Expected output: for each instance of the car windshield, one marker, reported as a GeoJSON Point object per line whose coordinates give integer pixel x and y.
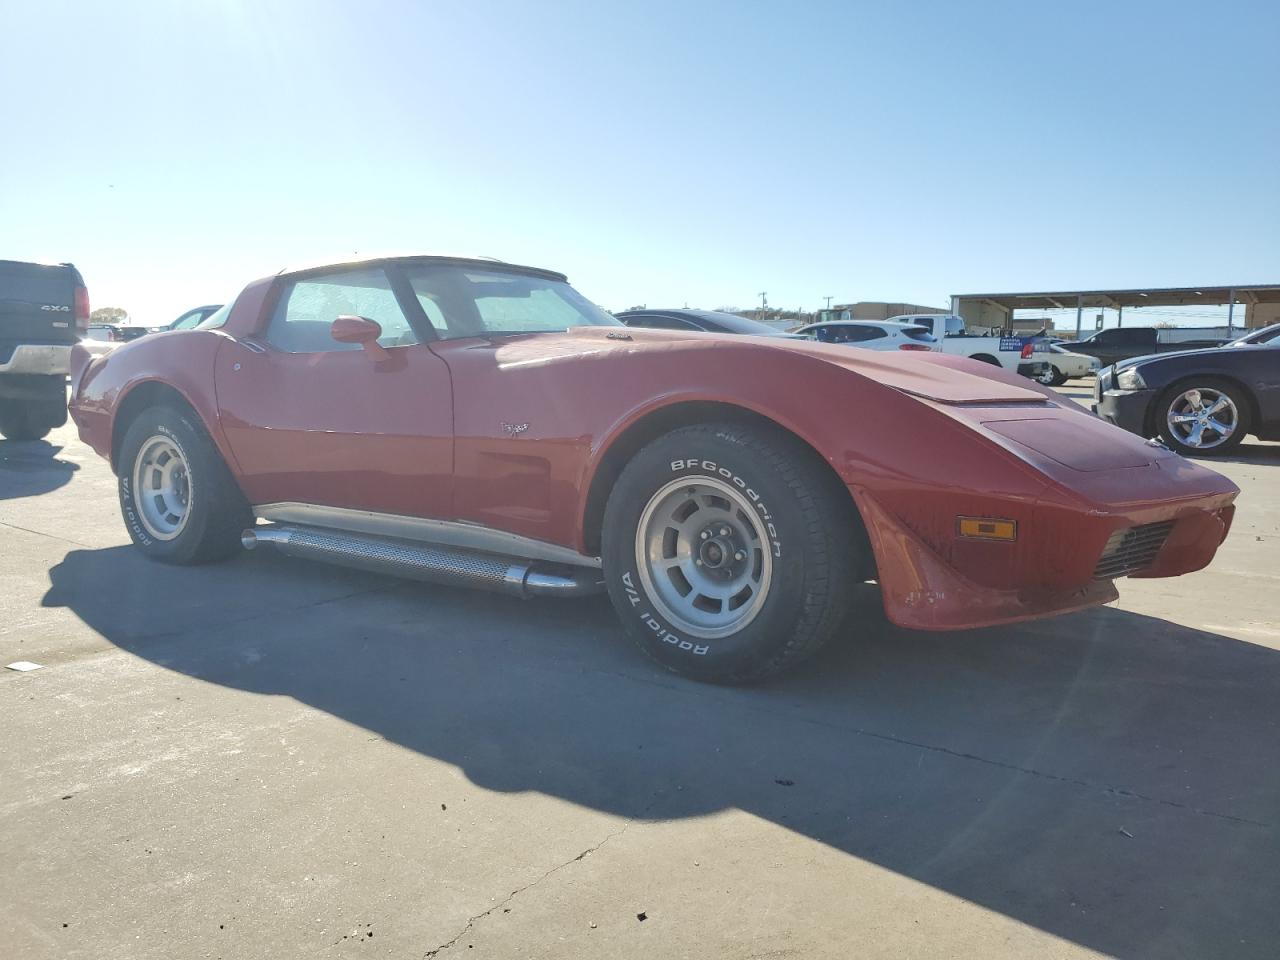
{"type": "Point", "coordinates": [217, 318]}
{"type": "Point", "coordinates": [478, 302]}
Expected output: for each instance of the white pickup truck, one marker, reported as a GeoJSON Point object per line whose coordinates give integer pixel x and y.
{"type": "Point", "coordinates": [1013, 353]}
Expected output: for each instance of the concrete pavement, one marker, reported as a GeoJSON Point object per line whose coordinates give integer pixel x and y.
{"type": "Point", "coordinates": [267, 758]}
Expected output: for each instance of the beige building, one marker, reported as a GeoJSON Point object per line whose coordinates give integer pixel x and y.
{"type": "Point", "coordinates": [873, 310]}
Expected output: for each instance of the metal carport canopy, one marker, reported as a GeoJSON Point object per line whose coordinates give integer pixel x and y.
{"type": "Point", "coordinates": [1247, 293]}
{"type": "Point", "coordinates": [1142, 297]}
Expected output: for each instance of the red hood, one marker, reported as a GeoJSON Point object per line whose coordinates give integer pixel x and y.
{"type": "Point", "coordinates": [933, 376]}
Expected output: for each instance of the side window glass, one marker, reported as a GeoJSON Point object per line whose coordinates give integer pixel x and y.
{"type": "Point", "coordinates": [535, 310]}
{"type": "Point", "coordinates": [189, 320]}
{"type": "Point", "coordinates": [306, 311]}
{"type": "Point", "coordinates": [431, 309]}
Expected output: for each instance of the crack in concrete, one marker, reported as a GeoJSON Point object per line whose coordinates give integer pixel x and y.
{"type": "Point", "coordinates": [471, 922]}
{"type": "Point", "coordinates": [41, 533]}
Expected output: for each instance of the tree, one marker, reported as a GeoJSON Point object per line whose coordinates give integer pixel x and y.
{"type": "Point", "coordinates": [108, 315]}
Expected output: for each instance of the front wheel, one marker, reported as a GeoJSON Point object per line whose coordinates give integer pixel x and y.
{"type": "Point", "coordinates": [1206, 417]}
{"type": "Point", "coordinates": [179, 500]}
{"type": "Point", "coordinates": [730, 552]}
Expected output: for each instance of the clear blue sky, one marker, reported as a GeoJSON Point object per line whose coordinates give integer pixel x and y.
{"type": "Point", "coordinates": [657, 152]}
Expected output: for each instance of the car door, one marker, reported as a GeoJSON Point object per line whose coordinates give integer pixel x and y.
{"type": "Point", "coordinates": [310, 420]}
{"type": "Point", "coordinates": [1259, 369]}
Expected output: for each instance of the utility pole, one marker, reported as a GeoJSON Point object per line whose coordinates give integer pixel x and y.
{"type": "Point", "coordinates": [764, 303]}
{"type": "Point", "coordinates": [828, 299]}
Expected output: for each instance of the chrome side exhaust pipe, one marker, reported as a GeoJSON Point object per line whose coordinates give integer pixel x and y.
{"type": "Point", "coordinates": [421, 561]}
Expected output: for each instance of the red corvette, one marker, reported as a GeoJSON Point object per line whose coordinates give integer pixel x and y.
{"type": "Point", "coordinates": [476, 422]}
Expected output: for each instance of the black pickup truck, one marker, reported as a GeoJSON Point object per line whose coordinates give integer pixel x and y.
{"type": "Point", "coordinates": [44, 309]}
{"type": "Point", "coordinates": [1125, 343]}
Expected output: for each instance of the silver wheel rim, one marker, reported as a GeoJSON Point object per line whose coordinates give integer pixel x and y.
{"type": "Point", "coordinates": [1203, 418]}
{"type": "Point", "coordinates": [704, 557]}
{"type": "Point", "coordinates": [161, 487]}
{"type": "Point", "coordinates": [1048, 375]}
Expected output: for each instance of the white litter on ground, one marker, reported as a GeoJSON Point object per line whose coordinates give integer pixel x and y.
{"type": "Point", "coordinates": [22, 666]}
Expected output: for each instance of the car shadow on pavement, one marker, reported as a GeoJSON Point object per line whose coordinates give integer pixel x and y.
{"type": "Point", "coordinates": [29, 468]}
{"type": "Point", "coordinates": [1107, 777]}
{"type": "Point", "coordinates": [1251, 452]}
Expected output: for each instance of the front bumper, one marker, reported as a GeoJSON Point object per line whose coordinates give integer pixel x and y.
{"type": "Point", "coordinates": [1126, 409]}
{"type": "Point", "coordinates": [1066, 558]}
{"type": "Point", "coordinates": [39, 359]}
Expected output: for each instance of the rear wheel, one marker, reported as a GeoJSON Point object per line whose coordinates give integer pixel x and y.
{"type": "Point", "coordinates": [1204, 417]}
{"type": "Point", "coordinates": [40, 406]}
{"type": "Point", "coordinates": [179, 500]}
{"type": "Point", "coordinates": [1051, 376]}
{"type": "Point", "coordinates": [21, 421]}
{"type": "Point", "coordinates": [729, 552]}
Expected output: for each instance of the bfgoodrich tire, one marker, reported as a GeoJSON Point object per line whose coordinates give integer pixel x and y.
{"type": "Point", "coordinates": [179, 501]}
{"type": "Point", "coordinates": [730, 552]}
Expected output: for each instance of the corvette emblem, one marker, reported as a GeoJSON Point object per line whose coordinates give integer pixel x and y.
{"type": "Point", "coordinates": [514, 429]}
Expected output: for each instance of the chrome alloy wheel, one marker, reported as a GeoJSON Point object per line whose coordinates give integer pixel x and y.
{"type": "Point", "coordinates": [161, 487]}
{"type": "Point", "coordinates": [1048, 375]}
{"type": "Point", "coordinates": [704, 557]}
{"type": "Point", "coordinates": [1203, 418]}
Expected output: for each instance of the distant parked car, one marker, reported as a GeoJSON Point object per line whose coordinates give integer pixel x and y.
{"type": "Point", "coordinates": [1063, 365]}
{"type": "Point", "coordinates": [1012, 352]}
{"type": "Point", "coordinates": [130, 331]}
{"type": "Point", "coordinates": [103, 332]}
{"type": "Point", "coordinates": [1199, 401]}
{"type": "Point", "coordinates": [709, 321]}
{"type": "Point", "coordinates": [871, 335]}
{"type": "Point", "coordinates": [193, 318]}
{"type": "Point", "coordinates": [1125, 343]}
{"type": "Point", "coordinates": [1256, 338]}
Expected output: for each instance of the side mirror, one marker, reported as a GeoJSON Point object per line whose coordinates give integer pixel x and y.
{"type": "Point", "coordinates": [361, 330]}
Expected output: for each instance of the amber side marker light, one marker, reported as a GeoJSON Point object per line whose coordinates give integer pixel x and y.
{"type": "Point", "coordinates": [984, 528]}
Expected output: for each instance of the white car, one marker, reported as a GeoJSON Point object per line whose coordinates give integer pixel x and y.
{"type": "Point", "coordinates": [1063, 365]}
{"type": "Point", "coordinates": [871, 334]}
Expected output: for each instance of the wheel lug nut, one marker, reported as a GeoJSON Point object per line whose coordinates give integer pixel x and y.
{"type": "Point", "coordinates": [724, 531]}
{"type": "Point", "coordinates": [705, 534]}
{"type": "Point", "coordinates": [740, 555]}
{"type": "Point", "coordinates": [697, 563]}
